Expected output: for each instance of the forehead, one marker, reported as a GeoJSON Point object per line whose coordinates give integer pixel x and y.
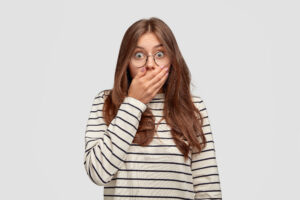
{"type": "Point", "coordinates": [144, 47]}
{"type": "Point", "coordinates": [148, 41]}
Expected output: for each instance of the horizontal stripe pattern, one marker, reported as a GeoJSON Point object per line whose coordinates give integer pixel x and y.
{"type": "Point", "coordinates": [204, 166]}
{"type": "Point", "coordinates": [106, 146]}
{"type": "Point", "coordinates": [157, 171]}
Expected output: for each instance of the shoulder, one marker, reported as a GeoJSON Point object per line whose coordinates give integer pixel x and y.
{"type": "Point", "coordinates": [197, 100]}
{"type": "Point", "coordinates": [102, 94]}
{"type": "Point", "coordinates": [199, 103]}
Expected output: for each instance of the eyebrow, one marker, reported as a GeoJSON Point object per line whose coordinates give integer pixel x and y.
{"type": "Point", "coordinates": [159, 45]}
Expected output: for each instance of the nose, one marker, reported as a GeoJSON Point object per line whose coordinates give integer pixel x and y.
{"type": "Point", "coordinates": [150, 63]}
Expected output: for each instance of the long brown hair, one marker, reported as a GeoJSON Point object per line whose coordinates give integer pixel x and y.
{"type": "Point", "coordinates": [178, 103]}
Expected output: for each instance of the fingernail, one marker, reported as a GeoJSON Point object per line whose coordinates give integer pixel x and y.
{"type": "Point", "coordinates": [161, 66]}
{"type": "Point", "coordinates": [143, 69]}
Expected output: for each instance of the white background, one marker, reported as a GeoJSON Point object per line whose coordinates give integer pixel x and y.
{"type": "Point", "coordinates": [55, 56]}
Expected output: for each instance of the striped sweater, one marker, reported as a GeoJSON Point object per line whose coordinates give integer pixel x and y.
{"type": "Point", "coordinates": [157, 171]}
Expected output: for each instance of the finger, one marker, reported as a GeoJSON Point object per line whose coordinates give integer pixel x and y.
{"type": "Point", "coordinates": [159, 80]}
{"type": "Point", "coordinates": [160, 83]}
{"type": "Point", "coordinates": [158, 76]}
{"type": "Point", "coordinates": [151, 74]}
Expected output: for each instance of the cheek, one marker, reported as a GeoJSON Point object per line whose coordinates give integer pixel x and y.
{"type": "Point", "coordinates": [133, 71]}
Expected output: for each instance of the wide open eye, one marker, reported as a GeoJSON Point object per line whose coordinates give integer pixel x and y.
{"type": "Point", "coordinates": [139, 55]}
{"type": "Point", "coordinates": [160, 54]}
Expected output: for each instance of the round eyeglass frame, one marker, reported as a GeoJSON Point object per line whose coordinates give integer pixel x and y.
{"type": "Point", "coordinates": [147, 60]}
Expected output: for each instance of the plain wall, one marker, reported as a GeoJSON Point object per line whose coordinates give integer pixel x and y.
{"type": "Point", "coordinates": [55, 56]}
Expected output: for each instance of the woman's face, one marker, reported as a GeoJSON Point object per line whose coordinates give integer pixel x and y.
{"type": "Point", "coordinates": [149, 44]}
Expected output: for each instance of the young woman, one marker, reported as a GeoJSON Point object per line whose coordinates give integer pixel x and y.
{"type": "Point", "coordinates": [148, 137]}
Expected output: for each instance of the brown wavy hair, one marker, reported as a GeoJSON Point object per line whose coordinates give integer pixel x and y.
{"type": "Point", "coordinates": [178, 104]}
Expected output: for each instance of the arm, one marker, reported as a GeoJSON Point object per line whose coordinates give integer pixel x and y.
{"type": "Point", "coordinates": [106, 146]}
{"type": "Point", "coordinates": [204, 165]}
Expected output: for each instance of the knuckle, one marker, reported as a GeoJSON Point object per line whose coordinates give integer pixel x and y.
{"type": "Point", "coordinates": [148, 92]}
{"type": "Point", "coordinates": [143, 86]}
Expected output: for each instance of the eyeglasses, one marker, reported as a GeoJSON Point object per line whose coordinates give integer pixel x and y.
{"type": "Point", "coordinates": [139, 59]}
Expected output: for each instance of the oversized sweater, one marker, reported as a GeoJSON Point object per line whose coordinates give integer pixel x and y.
{"type": "Point", "coordinates": [157, 171]}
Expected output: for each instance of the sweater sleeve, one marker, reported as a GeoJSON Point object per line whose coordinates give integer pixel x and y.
{"type": "Point", "coordinates": [204, 166]}
{"type": "Point", "coordinates": [106, 146]}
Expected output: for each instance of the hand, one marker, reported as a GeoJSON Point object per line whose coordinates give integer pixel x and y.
{"type": "Point", "coordinates": [145, 86]}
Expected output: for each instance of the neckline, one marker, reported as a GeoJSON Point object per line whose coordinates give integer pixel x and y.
{"type": "Point", "coordinates": [159, 95]}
